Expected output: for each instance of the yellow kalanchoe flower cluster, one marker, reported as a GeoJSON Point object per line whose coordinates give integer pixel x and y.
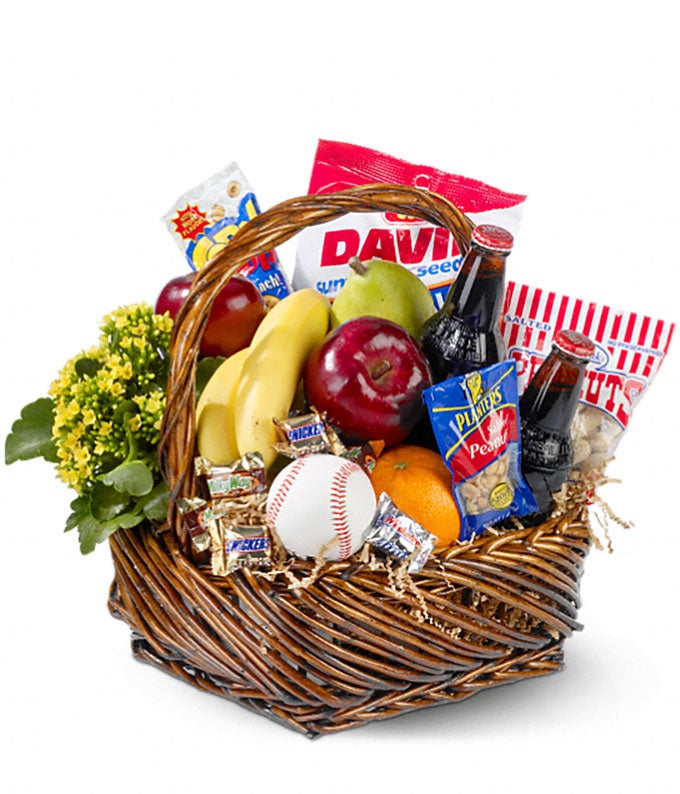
{"type": "Point", "coordinates": [112, 396]}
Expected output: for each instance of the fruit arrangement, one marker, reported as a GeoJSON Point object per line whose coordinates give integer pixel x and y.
{"type": "Point", "coordinates": [342, 390]}
{"type": "Point", "coordinates": [324, 392]}
{"type": "Point", "coordinates": [326, 403]}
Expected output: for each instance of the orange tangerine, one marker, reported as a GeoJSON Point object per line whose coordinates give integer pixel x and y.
{"type": "Point", "coordinates": [420, 484]}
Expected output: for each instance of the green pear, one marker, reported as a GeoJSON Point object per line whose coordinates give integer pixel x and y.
{"type": "Point", "coordinates": [383, 289]}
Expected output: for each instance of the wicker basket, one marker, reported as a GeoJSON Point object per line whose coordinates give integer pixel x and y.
{"type": "Point", "coordinates": [326, 650]}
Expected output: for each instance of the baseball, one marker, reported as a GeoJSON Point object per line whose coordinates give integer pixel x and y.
{"type": "Point", "coordinates": [320, 505]}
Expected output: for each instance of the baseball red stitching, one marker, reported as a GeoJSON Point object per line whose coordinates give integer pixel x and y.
{"type": "Point", "coordinates": [339, 508]}
{"type": "Point", "coordinates": [283, 489]}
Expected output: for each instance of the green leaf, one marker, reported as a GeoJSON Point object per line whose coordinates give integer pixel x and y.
{"type": "Point", "coordinates": [89, 513]}
{"type": "Point", "coordinates": [106, 502]}
{"type": "Point", "coordinates": [87, 366]}
{"type": "Point", "coordinates": [155, 504]}
{"type": "Point", "coordinates": [31, 435]}
{"type": "Point", "coordinates": [126, 407]}
{"type": "Point", "coordinates": [80, 509]}
{"type": "Point", "coordinates": [91, 531]}
{"type": "Point", "coordinates": [134, 478]}
{"type": "Point", "coordinates": [204, 371]}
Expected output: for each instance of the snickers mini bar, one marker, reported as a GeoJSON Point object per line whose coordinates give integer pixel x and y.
{"type": "Point", "coordinates": [399, 536]}
{"type": "Point", "coordinates": [305, 434]}
{"type": "Point", "coordinates": [235, 546]}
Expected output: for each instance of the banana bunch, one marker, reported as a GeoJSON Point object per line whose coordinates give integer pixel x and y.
{"type": "Point", "coordinates": [258, 384]}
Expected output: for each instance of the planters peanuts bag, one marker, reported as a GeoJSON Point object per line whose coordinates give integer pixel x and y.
{"type": "Point", "coordinates": [475, 419]}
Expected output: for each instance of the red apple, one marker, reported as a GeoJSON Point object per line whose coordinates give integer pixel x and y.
{"type": "Point", "coordinates": [235, 314]}
{"type": "Point", "coordinates": [368, 375]}
{"type": "Point", "coordinates": [174, 294]}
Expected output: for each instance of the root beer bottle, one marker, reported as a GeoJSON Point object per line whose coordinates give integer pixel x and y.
{"type": "Point", "coordinates": [464, 334]}
{"type": "Point", "coordinates": [546, 410]}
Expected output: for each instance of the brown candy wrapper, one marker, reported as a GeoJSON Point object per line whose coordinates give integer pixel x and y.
{"type": "Point", "coordinates": [305, 434]}
{"type": "Point", "coordinates": [244, 477]}
{"type": "Point", "coordinates": [399, 536]}
{"type": "Point", "coordinates": [196, 515]}
{"type": "Point", "coordinates": [365, 455]}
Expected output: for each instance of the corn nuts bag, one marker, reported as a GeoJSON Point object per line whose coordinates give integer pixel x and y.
{"type": "Point", "coordinates": [475, 418]}
{"type": "Point", "coordinates": [206, 217]}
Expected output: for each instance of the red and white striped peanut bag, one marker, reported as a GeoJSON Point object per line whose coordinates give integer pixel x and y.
{"type": "Point", "coordinates": [630, 348]}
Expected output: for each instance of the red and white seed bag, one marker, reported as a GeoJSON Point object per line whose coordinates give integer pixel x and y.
{"type": "Point", "coordinates": [630, 348]}
{"type": "Point", "coordinates": [427, 250]}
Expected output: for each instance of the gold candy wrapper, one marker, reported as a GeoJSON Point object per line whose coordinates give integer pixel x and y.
{"type": "Point", "coordinates": [197, 517]}
{"type": "Point", "coordinates": [305, 434]}
{"type": "Point", "coordinates": [237, 546]}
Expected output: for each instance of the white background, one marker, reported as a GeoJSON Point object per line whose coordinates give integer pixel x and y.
{"type": "Point", "coordinates": [109, 114]}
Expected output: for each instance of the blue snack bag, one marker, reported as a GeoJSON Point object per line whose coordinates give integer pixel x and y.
{"type": "Point", "coordinates": [475, 419]}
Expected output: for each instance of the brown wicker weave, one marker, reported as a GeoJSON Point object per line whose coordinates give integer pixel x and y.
{"type": "Point", "coordinates": [325, 650]}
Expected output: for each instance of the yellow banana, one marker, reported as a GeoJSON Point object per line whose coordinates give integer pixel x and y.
{"type": "Point", "coordinates": [283, 312]}
{"type": "Point", "coordinates": [215, 424]}
{"type": "Point", "coordinates": [272, 370]}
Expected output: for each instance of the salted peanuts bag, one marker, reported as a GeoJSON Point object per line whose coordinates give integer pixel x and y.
{"type": "Point", "coordinates": [630, 348]}
{"type": "Point", "coordinates": [427, 250]}
{"type": "Point", "coordinates": [475, 419]}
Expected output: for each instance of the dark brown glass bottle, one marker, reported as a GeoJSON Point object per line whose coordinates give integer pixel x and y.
{"type": "Point", "coordinates": [547, 410]}
{"type": "Point", "coordinates": [464, 334]}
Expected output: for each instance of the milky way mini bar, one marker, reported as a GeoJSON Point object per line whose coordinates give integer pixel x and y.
{"type": "Point", "coordinates": [244, 477]}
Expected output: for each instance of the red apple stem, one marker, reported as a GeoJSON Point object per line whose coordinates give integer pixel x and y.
{"type": "Point", "coordinates": [359, 267]}
{"type": "Point", "coordinates": [380, 369]}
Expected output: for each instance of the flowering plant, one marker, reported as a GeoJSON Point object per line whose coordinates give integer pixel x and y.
{"type": "Point", "coordinates": [101, 425]}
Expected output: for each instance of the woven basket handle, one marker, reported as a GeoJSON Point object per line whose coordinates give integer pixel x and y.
{"type": "Point", "coordinates": [264, 233]}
